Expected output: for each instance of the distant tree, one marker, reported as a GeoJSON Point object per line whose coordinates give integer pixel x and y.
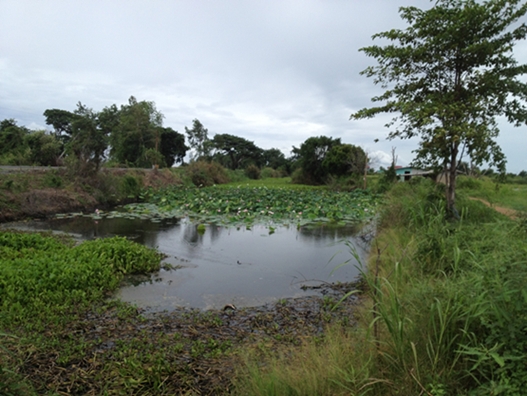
{"type": "Point", "coordinates": [345, 159]}
{"type": "Point", "coordinates": [12, 137]}
{"type": "Point", "coordinates": [108, 119]}
{"type": "Point", "coordinates": [61, 121]}
{"type": "Point", "coordinates": [88, 142]}
{"type": "Point", "coordinates": [453, 72]}
{"type": "Point", "coordinates": [45, 149]}
{"type": "Point", "coordinates": [236, 150]}
{"type": "Point", "coordinates": [135, 133]}
{"type": "Point", "coordinates": [172, 147]}
{"type": "Point", "coordinates": [273, 158]}
{"type": "Point", "coordinates": [522, 173]}
{"type": "Point", "coordinates": [311, 155]}
{"type": "Point", "coordinates": [198, 140]}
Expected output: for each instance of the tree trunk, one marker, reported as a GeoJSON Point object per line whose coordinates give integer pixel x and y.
{"type": "Point", "coordinates": [450, 174]}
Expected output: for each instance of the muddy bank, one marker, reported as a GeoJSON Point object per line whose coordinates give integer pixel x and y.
{"type": "Point", "coordinates": [185, 351]}
{"type": "Point", "coordinates": [41, 193]}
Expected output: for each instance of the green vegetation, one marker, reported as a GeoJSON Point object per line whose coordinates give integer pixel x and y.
{"type": "Point", "coordinates": [448, 77]}
{"type": "Point", "coordinates": [444, 311]}
{"type": "Point", "coordinates": [46, 284]}
{"type": "Point", "coordinates": [506, 195]}
{"type": "Point", "coordinates": [246, 205]}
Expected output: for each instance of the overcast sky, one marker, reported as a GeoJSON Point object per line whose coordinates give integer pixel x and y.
{"type": "Point", "coordinates": [275, 72]}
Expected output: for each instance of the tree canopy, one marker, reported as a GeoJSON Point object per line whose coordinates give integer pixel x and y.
{"type": "Point", "coordinates": [235, 150]}
{"type": "Point", "coordinates": [311, 155]}
{"type": "Point", "coordinates": [198, 140]}
{"type": "Point", "coordinates": [451, 73]}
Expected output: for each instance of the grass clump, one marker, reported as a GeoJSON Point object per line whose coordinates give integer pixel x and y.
{"type": "Point", "coordinates": [444, 313]}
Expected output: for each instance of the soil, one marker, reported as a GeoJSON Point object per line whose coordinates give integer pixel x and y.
{"type": "Point", "coordinates": [511, 213]}
{"type": "Point", "coordinates": [201, 366]}
{"type": "Point", "coordinates": [25, 194]}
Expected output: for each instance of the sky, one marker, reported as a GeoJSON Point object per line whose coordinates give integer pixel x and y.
{"type": "Point", "coordinates": [274, 72]}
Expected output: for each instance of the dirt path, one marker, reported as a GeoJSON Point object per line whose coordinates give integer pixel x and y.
{"type": "Point", "coordinates": [511, 213]}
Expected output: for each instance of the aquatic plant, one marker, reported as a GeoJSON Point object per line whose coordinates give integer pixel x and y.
{"type": "Point", "coordinates": [247, 205]}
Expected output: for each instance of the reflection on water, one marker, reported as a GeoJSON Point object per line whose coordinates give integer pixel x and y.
{"type": "Point", "coordinates": [243, 266]}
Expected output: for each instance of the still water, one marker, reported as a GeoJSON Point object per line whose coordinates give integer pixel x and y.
{"type": "Point", "coordinates": [224, 265]}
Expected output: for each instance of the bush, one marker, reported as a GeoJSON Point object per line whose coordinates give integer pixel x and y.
{"type": "Point", "coordinates": [267, 173]}
{"type": "Point", "coordinates": [130, 186]}
{"type": "Point", "coordinates": [470, 183]}
{"type": "Point", "coordinates": [252, 172]}
{"type": "Point", "coordinates": [204, 174]}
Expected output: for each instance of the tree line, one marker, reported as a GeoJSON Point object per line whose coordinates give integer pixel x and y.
{"type": "Point", "coordinates": [133, 135]}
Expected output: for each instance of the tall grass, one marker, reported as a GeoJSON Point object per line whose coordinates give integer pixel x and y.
{"type": "Point", "coordinates": [445, 310]}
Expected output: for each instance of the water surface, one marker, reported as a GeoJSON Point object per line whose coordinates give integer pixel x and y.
{"type": "Point", "coordinates": [224, 265]}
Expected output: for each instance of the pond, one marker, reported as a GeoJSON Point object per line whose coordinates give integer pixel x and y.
{"type": "Point", "coordinates": [244, 266]}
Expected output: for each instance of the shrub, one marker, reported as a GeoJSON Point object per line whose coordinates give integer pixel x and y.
{"type": "Point", "coordinates": [267, 173]}
{"type": "Point", "coordinates": [252, 172]}
{"type": "Point", "coordinates": [470, 183]}
{"type": "Point", "coordinates": [203, 174]}
{"type": "Point", "coordinates": [130, 186]}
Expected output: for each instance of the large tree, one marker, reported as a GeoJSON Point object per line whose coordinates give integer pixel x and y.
{"type": "Point", "coordinates": [345, 160]}
{"type": "Point", "coordinates": [172, 146]}
{"type": "Point", "coordinates": [88, 141]}
{"type": "Point", "coordinates": [61, 121]}
{"type": "Point", "coordinates": [198, 139]}
{"type": "Point", "coordinates": [448, 76]}
{"type": "Point", "coordinates": [136, 132]}
{"type": "Point", "coordinates": [12, 137]}
{"type": "Point", "coordinates": [236, 151]}
{"type": "Point", "coordinates": [311, 156]}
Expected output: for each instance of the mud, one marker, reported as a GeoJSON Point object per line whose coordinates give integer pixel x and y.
{"type": "Point", "coordinates": [199, 347]}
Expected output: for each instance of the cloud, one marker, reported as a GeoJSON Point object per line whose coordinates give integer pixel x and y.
{"type": "Point", "coordinates": [273, 72]}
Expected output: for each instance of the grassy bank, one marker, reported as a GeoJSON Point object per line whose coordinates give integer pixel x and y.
{"type": "Point", "coordinates": [444, 312]}
{"type": "Point", "coordinates": [40, 193]}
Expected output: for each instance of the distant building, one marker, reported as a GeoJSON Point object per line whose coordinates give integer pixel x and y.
{"type": "Point", "coordinates": [406, 173]}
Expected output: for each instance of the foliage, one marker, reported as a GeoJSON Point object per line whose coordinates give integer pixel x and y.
{"type": "Point", "coordinates": [504, 195]}
{"type": "Point", "coordinates": [12, 137]}
{"type": "Point", "coordinates": [61, 121]}
{"type": "Point", "coordinates": [322, 159]}
{"type": "Point", "coordinates": [45, 149]}
{"type": "Point", "coordinates": [453, 72]}
{"type": "Point", "coordinates": [198, 139]}
{"type": "Point", "coordinates": [88, 142]}
{"type": "Point", "coordinates": [253, 172]}
{"type": "Point", "coordinates": [274, 158]}
{"type": "Point", "coordinates": [388, 178]}
{"type": "Point", "coordinates": [234, 151]}
{"type": "Point", "coordinates": [270, 172]}
{"type": "Point", "coordinates": [310, 158]}
{"type": "Point", "coordinates": [245, 205]}
{"type": "Point", "coordinates": [41, 276]}
{"type": "Point", "coordinates": [203, 174]}
{"type": "Point", "coordinates": [136, 132]}
{"type": "Point", "coordinates": [172, 146]}
{"type": "Point", "coordinates": [345, 160]}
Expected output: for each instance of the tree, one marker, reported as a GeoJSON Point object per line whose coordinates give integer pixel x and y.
{"type": "Point", "coordinates": [311, 155]}
{"type": "Point", "coordinates": [273, 158]}
{"type": "Point", "coordinates": [88, 142]}
{"type": "Point", "coordinates": [236, 150]}
{"type": "Point", "coordinates": [172, 147]}
{"type": "Point", "coordinates": [453, 73]}
{"type": "Point", "coordinates": [61, 121]}
{"type": "Point", "coordinates": [12, 137]}
{"type": "Point", "coordinates": [136, 132]}
{"type": "Point", "coordinates": [198, 140]}
{"type": "Point", "coordinates": [345, 159]}
{"type": "Point", "coordinates": [45, 148]}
